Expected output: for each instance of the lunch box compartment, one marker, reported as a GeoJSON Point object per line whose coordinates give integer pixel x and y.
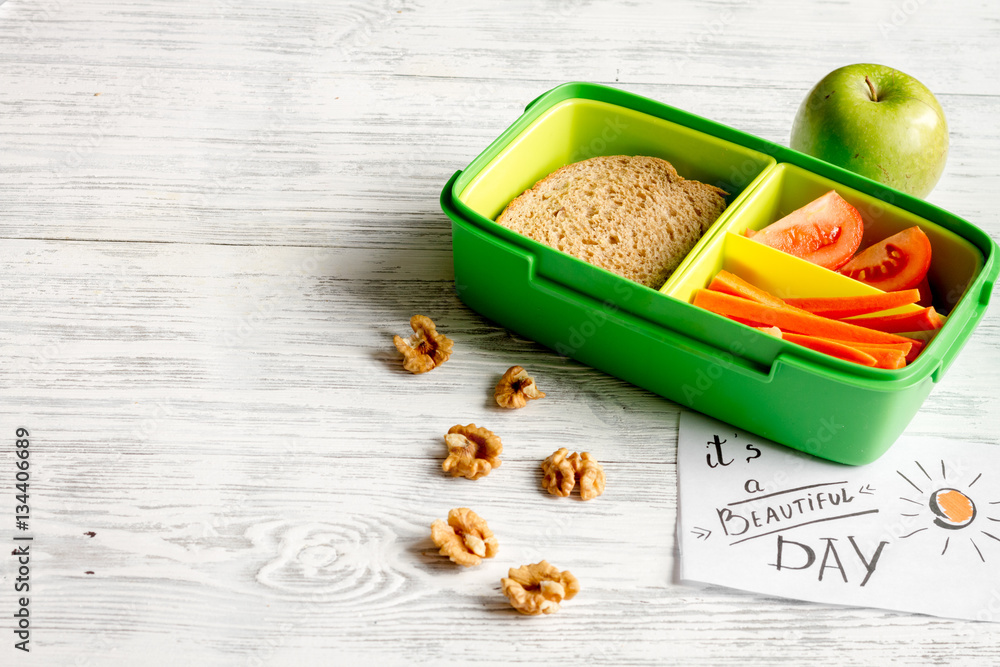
{"type": "Point", "coordinates": [955, 261]}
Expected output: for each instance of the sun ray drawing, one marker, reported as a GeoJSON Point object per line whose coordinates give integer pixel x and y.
{"type": "Point", "coordinates": [948, 505]}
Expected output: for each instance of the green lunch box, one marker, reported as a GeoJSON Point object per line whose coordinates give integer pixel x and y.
{"type": "Point", "coordinates": [656, 339]}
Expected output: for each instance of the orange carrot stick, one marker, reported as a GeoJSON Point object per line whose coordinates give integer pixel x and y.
{"type": "Point", "coordinates": [832, 347]}
{"type": "Point", "coordinates": [909, 350]}
{"type": "Point", "coordinates": [839, 307]}
{"type": "Point", "coordinates": [885, 357]}
{"type": "Point", "coordinates": [895, 347]}
{"type": "Point", "coordinates": [926, 319]}
{"type": "Point", "coordinates": [787, 318]}
{"type": "Point", "coordinates": [730, 283]}
{"type": "Point", "coordinates": [914, 352]}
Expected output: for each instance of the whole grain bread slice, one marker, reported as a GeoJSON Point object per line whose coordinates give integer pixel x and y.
{"type": "Point", "coordinates": [632, 215]}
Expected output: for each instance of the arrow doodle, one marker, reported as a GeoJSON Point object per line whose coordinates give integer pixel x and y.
{"type": "Point", "coordinates": [701, 533]}
{"type": "Point", "coordinates": [867, 490]}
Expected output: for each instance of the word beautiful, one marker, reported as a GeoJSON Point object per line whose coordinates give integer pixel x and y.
{"type": "Point", "coordinates": [801, 504]}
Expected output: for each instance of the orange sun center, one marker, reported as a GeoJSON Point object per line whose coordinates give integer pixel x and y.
{"type": "Point", "coordinates": [956, 506]}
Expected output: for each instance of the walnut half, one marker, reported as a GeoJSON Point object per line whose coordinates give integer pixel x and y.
{"type": "Point", "coordinates": [561, 471]}
{"type": "Point", "coordinates": [538, 588]}
{"type": "Point", "coordinates": [590, 475]}
{"type": "Point", "coordinates": [426, 349]}
{"type": "Point", "coordinates": [560, 476]}
{"type": "Point", "coordinates": [465, 538]}
{"type": "Point", "coordinates": [516, 388]}
{"type": "Point", "coordinates": [473, 452]}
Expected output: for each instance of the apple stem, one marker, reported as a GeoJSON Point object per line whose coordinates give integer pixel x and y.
{"type": "Point", "coordinates": [871, 87]}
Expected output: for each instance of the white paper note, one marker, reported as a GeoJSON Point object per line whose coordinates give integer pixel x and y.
{"type": "Point", "coordinates": [918, 530]}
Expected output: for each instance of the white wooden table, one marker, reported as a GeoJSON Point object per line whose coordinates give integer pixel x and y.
{"type": "Point", "coordinates": [215, 215]}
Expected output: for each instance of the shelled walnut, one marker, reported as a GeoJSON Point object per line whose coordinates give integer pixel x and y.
{"type": "Point", "coordinates": [516, 388]}
{"type": "Point", "coordinates": [473, 452]}
{"type": "Point", "coordinates": [562, 470]}
{"type": "Point", "coordinates": [560, 476]}
{"type": "Point", "coordinates": [426, 349]}
{"type": "Point", "coordinates": [465, 538]}
{"type": "Point", "coordinates": [538, 588]}
{"type": "Point", "coordinates": [590, 475]}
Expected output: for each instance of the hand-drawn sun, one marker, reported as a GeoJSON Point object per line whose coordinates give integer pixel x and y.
{"type": "Point", "coordinates": [950, 508]}
{"type": "Point", "coordinates": [953, 508]}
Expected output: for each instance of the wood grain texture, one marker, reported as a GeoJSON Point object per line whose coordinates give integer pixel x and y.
{"type": "Point", "coordinates": [214, 217]}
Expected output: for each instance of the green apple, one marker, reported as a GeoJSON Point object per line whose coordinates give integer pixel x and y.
{"type": "Point", "coordinates": [877, 122]}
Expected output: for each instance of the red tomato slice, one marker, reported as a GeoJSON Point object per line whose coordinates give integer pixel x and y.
{"type": "Point", "coordinates": [898, 262]}
{"type": "Point", "coordinates": [826, 231]}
